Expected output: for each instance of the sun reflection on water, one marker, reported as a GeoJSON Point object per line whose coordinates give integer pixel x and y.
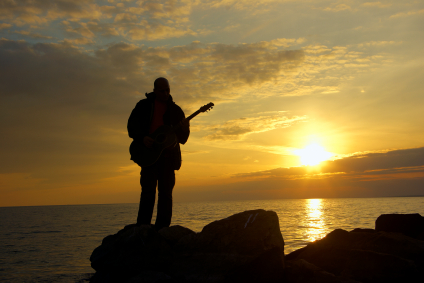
{"type": "Point", "coordinates": [316, 225]}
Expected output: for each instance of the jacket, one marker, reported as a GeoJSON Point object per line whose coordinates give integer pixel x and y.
{"type": "Point", "coordinates": [141, 118]}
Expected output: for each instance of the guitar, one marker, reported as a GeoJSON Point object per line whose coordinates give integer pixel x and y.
{"type": "Point", "coordinates": [163, 137]}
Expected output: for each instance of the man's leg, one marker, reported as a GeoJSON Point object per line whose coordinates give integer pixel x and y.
{"type": "Point", "coordinates": [148, 181]}
{"type": "Point", "coordinates": [166, 182]}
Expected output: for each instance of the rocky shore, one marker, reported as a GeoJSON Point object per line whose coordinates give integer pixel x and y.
{"type": "Point", "coordinates": [248, 247]}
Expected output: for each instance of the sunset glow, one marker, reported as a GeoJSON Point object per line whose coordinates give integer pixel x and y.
{"type": "Point", "coordinates": [312, 154]}
{"type": "Point", "coordinates": [327, 78]}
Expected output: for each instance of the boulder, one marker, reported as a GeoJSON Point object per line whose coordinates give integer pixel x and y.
{"type": "Point", "coordinates": [130, 251]}
{"type": "Point", "coordinates": [247, 233]}
{"type": "Point", "coordinates": [225, 245]}
{"type": "Point", "coordinates": [174, 233]}
{"type": "Point", "coordinates": [247, 245]}
{"type": "Point", "coordinates": [301, 271]}
{"type": "Point", "coordinates": [370, 266]}
{"type": "Point", "coordinates": [411, 225]}
{"type": "Point", "coordinates": [362, 230]}
{"type": "Point", "coordinates": [149, 276]}
{"type": "Point", "coordinates": [266, 268]}
{"type": "Point", "coordinates": [366, 257]}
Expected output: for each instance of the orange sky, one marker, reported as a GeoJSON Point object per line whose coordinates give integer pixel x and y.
{"type": "Point", "coordinates": [343, 75]}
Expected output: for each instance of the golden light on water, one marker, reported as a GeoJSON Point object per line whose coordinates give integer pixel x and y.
{"type": "Point", "coordinates": [312, 154]}
{"type": "Point", "coordinates": [315, 218]}
{"type": "Point", "coordinates": [314, 208]}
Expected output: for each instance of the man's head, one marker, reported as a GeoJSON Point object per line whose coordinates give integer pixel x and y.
{"type": "Point", "coordinates": [161, 89]}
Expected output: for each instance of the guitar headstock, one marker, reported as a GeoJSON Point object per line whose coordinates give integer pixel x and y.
{"type": "Point", "coordinates": [206, 107]}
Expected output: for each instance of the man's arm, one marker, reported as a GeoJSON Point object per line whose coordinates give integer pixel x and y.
{"type": "Point", "coordinates": [184, 131]}
{"type": "Point", "coordinates": [137, 122]}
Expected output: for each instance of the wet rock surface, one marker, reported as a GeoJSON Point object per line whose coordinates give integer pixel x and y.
{"type": "Point", "coordinates": [411, 225]}
{"type": "Point", "coordinates": [366, 256]}
{"type": "Point", "coordinates": [248, 247]}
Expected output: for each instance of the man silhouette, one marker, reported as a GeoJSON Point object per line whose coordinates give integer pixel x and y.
{"type": "Point", "coordinates": [158, 108]}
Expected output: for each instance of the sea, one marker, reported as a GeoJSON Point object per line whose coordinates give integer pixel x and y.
{"type": "Point", "coordinates": [54, 243]}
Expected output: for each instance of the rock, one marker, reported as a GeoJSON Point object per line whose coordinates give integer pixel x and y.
{"type": "Point", "coordinates": [366, 257]}
{"type": "Point", "coordinates": [130, 251]}
{"type": "Point", "coordinates": [248, 233]}
{"type": "Point", "coordinates": [361, 230]}
{"type": "Point", "coordinates": [266, 268]}
{"type": "Point", "coordinates": [150, 277]}
{"type": "Point", "coordinates": [246, 245]}
{"type": "Point", "coordinates": [301, 271]}
{"type": "Point", "coordinates": [369, 266]}
{"type": "Point", "coordinates": [225, 245]}
{"type": "Point", "coordinates": [174, 233]}
{"type": "Point", "coordinates": [411, 225]}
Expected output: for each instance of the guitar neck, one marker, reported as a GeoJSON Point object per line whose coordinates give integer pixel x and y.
{"type": "Point", "coordinates": [193, 115]}
{"type": "Point", "coordinates": [202, 109]}
{"type": "Point", "coordinates": [188, 118]}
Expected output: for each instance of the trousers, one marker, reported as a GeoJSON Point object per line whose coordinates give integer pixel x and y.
{"type": "Point", "coordinates": [162, 175]}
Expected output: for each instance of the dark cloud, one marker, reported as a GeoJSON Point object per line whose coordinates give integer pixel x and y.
{"type": "Point", "coordinates": [134, 20]}
{"type": "Point", "coordinates": [393, 173]}
{"type": "Point", "coordinates": [57, 105]}
{"type": "Point", "coordinates": [378, 161]}
{"type": "Point", "coordinates": [41, 11]}
{"type": "Point", "coordinates": [310, 188]}
{"type": "Point", "coordinates": [65, 110]}
{"type": "Point", "coordinates": [356, 166]}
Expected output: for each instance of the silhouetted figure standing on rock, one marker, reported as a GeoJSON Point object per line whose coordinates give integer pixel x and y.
{"type": "Point", "coordinates": [157, 109]}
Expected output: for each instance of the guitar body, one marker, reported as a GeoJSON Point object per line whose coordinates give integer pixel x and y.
{"type": "Point", "coordinates": [164, 137]}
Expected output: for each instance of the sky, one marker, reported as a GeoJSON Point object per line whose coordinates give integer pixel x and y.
{"type": "Point", "coordinates": [293, 83]}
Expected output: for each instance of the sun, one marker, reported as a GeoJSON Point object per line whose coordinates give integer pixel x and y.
{"type": "Point", "coordinates": [313, 154]}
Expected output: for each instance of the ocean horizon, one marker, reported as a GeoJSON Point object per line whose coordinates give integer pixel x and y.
{"type": "Point", "coordinates": [53, 243]}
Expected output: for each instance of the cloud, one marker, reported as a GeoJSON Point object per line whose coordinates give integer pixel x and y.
{"type": "Point", "coordinates": [378, 43]}
{"type": "Point", "coordinates": [135, 20]}
{"type": "Point", "coordinates": [5, 25]}
{"type": "Point", "coordinates": [337, 8]}
{"type": "Point", "coordinates": [373, 174]}
{"type": "Point", "coordinates": [78, 41]}
{"type": "Point", "coordinates": [316, 49]}
{"type": "Point", "coordinates": [237, 129]}
{"type": "Point", "coordinates": [23, 12]}
{"type": "Point", "coordinates": [56, 101]}
{"type": "Point", "coordinates": [205, 72]}
{"type": "Point", "coordinates": [376, 4]}
{"type": "Point", "coordinates": [61, 105]}
{"type": "Point", "coordinates": [64, 110]}
{"type": "Point", "coordinates": [227, 71]}
{"type": "Point", "coordinates": [241, 5]}
{"type": "Point", "coordinates": [393, 164]}
{"type": "Point", "coordinates": [145, 31]}
{"type": "Point", "coordinates": [90, 29]}
{"type": "Point", "coordinates": [79, 28]}
{"type": "Point", "coordinates": [407, 14]}
{"type": "Point", "coordinates": [33, 35]}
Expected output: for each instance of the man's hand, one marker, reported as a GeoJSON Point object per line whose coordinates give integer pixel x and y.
{"type": "Point", "coordinates": [148, 141]}
{"type": "Point", "coordinates": [185, 125]}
